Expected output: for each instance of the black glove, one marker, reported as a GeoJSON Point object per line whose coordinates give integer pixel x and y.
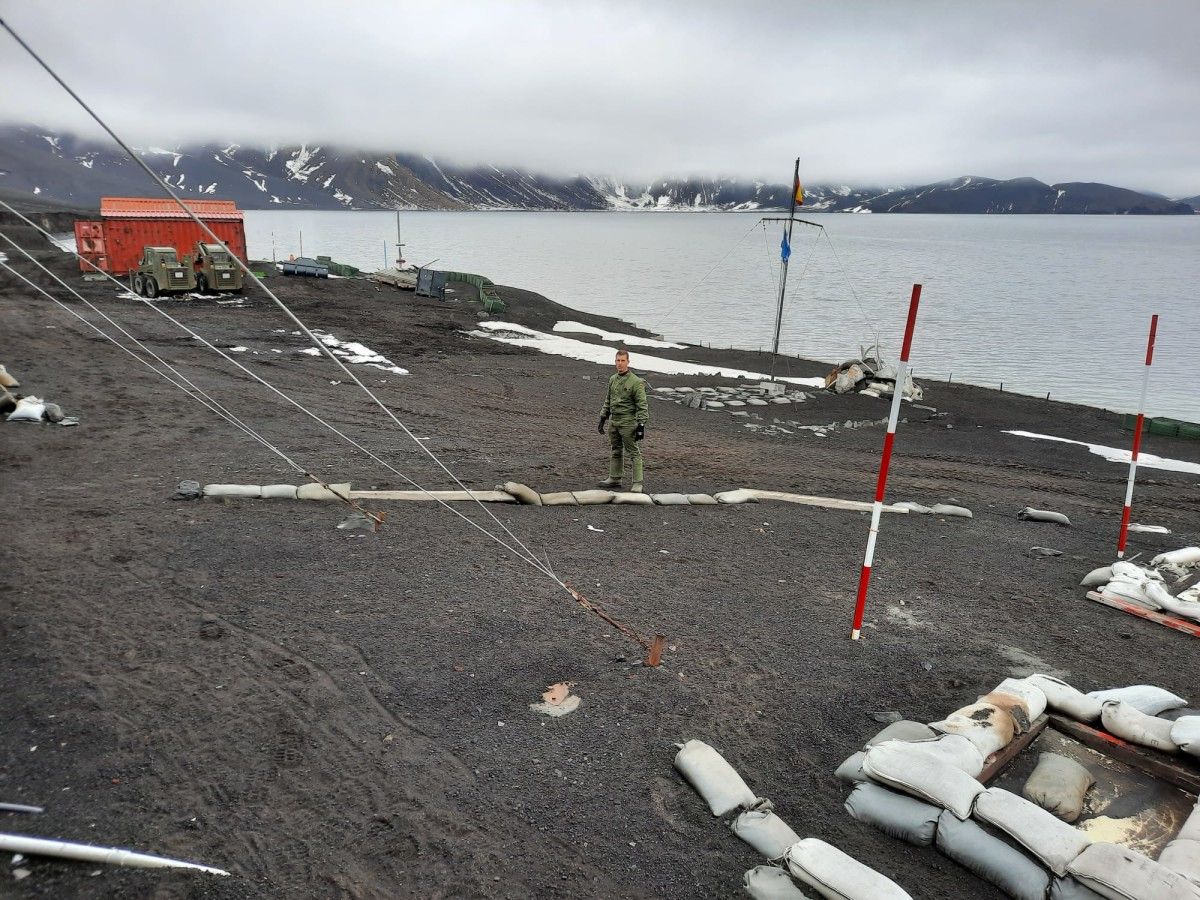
{"type": "Point", "coordinates": [639, 432]}
{"type": "Point", "coordinates": [600, 427]}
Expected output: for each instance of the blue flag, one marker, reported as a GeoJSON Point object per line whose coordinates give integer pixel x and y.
{"type": "Point", "coordinates": [785, 249]}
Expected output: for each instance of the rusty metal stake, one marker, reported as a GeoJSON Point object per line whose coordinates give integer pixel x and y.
{"type": "Point", "coordinates": [654, 657]}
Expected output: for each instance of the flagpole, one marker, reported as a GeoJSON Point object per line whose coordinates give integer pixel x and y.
{"type": "Point", "coordinates": [784, 270]}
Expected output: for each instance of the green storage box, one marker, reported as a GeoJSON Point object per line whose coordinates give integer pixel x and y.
{"type": "Point", "coordinates": [1165, 427]}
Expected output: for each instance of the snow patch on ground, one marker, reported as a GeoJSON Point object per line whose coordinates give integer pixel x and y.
{"type": "Point", "coordinates": [386, 170]}
{"type": "Point", "coordinates": [1117, 455]}
{"type": "Point", "coordinates": [354, 353]}
{"type": "Point", "coordinates": [520, 336]}
{"type": "Point", "coordinates": [630, 340]}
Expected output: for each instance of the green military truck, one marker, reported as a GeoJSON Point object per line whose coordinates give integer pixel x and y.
{"type": "Point", "coordinates": [216, 270]}
{"type": "Point", "coordinates": [160, 271]}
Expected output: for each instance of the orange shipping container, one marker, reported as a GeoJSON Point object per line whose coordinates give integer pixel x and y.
{"type": "Point", "coordinates": [127, 225]}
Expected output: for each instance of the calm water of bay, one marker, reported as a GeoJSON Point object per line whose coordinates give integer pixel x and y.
{"type": "Point", "coordinates": [1041, 303]}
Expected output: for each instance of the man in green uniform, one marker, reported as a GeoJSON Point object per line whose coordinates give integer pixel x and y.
{"type": "Point", "coordinates": [625, 403]}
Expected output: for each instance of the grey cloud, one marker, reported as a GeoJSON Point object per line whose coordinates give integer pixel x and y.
{"type": "Point", "coordinates": [883, 93]}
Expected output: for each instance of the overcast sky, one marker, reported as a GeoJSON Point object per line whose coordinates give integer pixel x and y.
{"type": "Point", "coordinates": [878, 93]}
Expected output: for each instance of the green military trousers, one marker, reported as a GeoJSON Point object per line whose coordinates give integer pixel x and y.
{"type": "Point", "coordinates": [620, 437]}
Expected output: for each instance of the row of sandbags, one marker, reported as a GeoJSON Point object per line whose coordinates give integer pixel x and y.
{"type": "Point", "coordinates": [919, 783]}
{"type": "Point", "coordinates": [272, 491]}
{"type": "Point", "coordinates": [527, 495]}
{"type": "Point", "coordinates": [811, 861]}
{"type": "Point", "coordinates": [508, 492]}
{"type": "Point", "coordinates": [1149, 586]}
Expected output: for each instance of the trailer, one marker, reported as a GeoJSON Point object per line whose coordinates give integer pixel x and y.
{"type": "Point", "coordinates": [115, 242]}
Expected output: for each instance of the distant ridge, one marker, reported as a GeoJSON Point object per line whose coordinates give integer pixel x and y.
{"type": "Point", "coordinates": [65, 169]}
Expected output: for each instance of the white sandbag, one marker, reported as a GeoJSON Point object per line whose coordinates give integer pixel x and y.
{"type": "Point", "coordinates": [1184, 556]}
{"type": "Point", "coordinates": [851, 771]}
{"type": "Point", "coordinates": [1070, 888]}
{"type": "Point", "coordinates": [713, 778]}
{"type": "Point", "coordinates": [1058, 785]}
{"type": "Point", "coordinates": [987, 726]}
{"type": "Point", "coordinates": [1122, 568]}
{"type": "Point", "coordinates": [1097, 577]}
{"type": "Point", "coordinates": [914, 771]}
{"type": "Point", "coordinates": [1043, 515]}
{"type": "Point", "coordinates": [1191, 827]}
{"type": "Point", "coordinates": [895, 814]}
{"type": "Point", "coordinates": [1183, 857]}
{"type": "Point", "coordinates": [949, 509]}
{"type": "Point", "coordinates": [916, 508]}
{"type": "Point", "coordinates": [741, 495]}
{"type": "Point", "coordinates": [702, 500]}
{"type": "Point", "coordinates": [1051, 840]}
{"type": "Point", "coordinates": [1185, 734]}
{"type": "Point", "coordinates": [279, 492]}
{"type": "Point", "coordinates": [1063, 698]}
{"type": "Point", "coordinates": [1029, 694]}
{"type": "Point", "coordinates": [670, 499]}
{"type": "Point", "coordinates": [1130, 591]}
{"type": "Point", "coordinates": [592, 498]}
{"type": "Point", "coordinates": [559, 498]}
{"type": "Point", "coordinates": [991, 858]}
{"type": "Point", "coordinates": [902, 731]}
{"type": "Point", "coordinates": [632, 499]}
{"type": "Point", "coordinates": [956, 750]}
{"type": "Point", "coordinates": [523, 492]}
{"type": "Point", "coordinates": [340, 491]}
{"type": "Point", "coordinates": [764, 831]}
{"type": "Point", "coordinates": [253, 491]}
{"type": "Point", "coordinates": [838, 876]}
{"type": "Point", "coordinates": [1188, 609]}
{"type": "Point", "coordinates": [1122, 874]}
{"type": "Point", "coordinates": [29, 409]}
{"type": "Point", "coordinates": [770, 883]}
{"type": "Point", "coordinates": [1143, 697]}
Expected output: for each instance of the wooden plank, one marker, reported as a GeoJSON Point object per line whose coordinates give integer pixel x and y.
{"type": "Point", "coordinates": [1181, 775]}
{"type": "Point", "coordinates": [1174, 622]}
{"type": "Point", "coordinates": [826, 502]}
{"type": "Point", "coordinates": [998, 761]}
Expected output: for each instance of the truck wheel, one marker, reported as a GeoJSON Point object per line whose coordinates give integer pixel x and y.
{"type": "Point", "coordinates": [201, 284]}
{"type": "Point", "coordinates": [137, 285]}
{"type": "Point", "coordinates": [151, 286]}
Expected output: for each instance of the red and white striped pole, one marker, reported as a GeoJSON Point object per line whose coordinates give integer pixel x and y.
{"type": "Point", "coordinates": [877, 510]}
{"type": "Point", "coordinates": [1137, 441]}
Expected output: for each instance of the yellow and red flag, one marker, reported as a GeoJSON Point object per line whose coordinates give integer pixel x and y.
{"type": "Point", "coordinates": [798, 192]}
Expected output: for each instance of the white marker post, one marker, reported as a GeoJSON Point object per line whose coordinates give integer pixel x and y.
{"type": "Point", "coordinates": [881, 486]}
{"type": "Point", "coordinates": [1137, 441]}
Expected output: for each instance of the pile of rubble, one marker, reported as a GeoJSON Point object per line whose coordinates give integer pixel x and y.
{"type": "Point", "coordinates": [870, 375]}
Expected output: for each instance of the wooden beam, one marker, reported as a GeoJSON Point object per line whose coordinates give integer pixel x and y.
{"type": "Point", "coordinates": [1183, 776]}
{"type": "Point", "coordinates": [1174, 622]}
{"type": "Point", "coordinates": [998, 761]}
{"type": "Point", "coordinates": [826, 502]}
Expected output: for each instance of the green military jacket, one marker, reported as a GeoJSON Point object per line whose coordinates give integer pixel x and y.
{"type": "Point", "coordinates": [625, 403]}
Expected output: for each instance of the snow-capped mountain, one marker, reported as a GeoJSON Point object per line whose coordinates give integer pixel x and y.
{"type": "Point", "coordinates": [69, 170]}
